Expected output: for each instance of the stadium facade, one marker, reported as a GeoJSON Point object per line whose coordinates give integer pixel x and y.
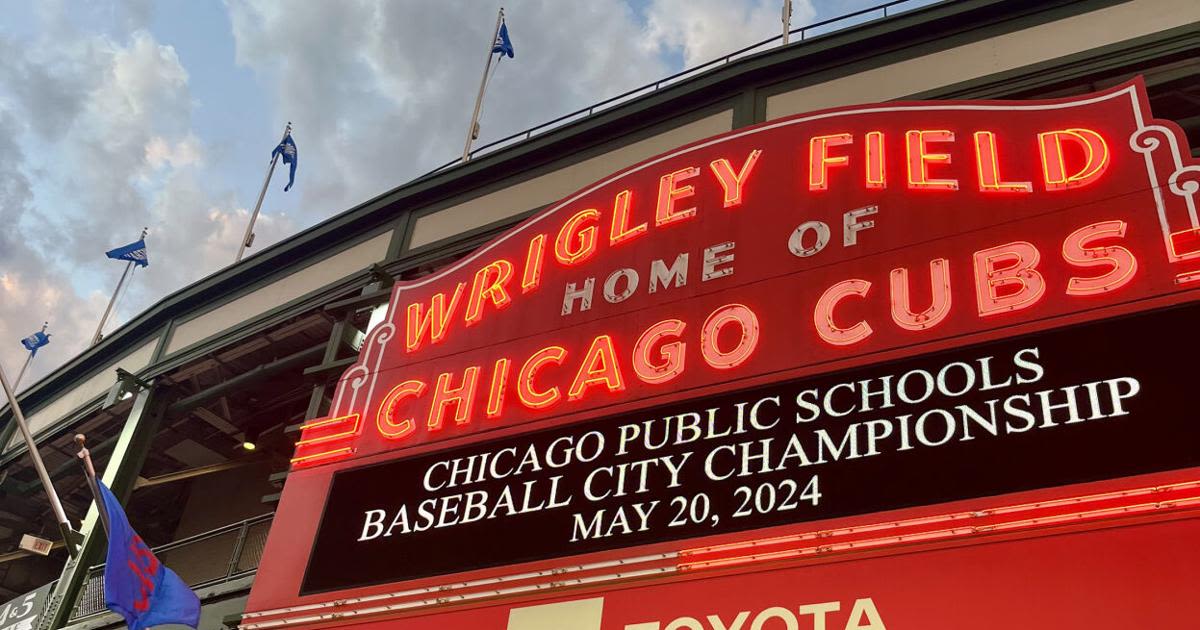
{"type": "Point", "coordinates": [1068, 512]}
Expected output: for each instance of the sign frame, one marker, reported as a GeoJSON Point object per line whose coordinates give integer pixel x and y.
{"type": "Point", "coordinates": [1174, 175]}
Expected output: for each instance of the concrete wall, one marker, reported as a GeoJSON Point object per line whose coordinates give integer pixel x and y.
{"type": "Point", "coordinates": [544, 189]}
{"type": "Point", "coordinates": [93, 386]}
{"type": "Point", "coordinates": [985, 57]}
{"type": "Point", "coordinates": [226, 497]}
{"type": "Point", "coordinates": [280, 292]}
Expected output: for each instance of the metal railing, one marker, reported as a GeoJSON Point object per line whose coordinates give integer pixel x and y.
{"type": "Point", "coordinates": [823, 27]}
{"type": "Point", "coordinates": [213, 557]}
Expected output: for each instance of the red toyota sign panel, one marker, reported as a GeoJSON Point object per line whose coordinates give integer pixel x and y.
{"type": "Point", "coordinates": [1108, 579]}
{"type": "Point", "coordinates": [927, 310]}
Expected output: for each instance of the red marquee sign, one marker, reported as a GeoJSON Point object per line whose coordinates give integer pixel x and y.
{"type": "Point", "coordinates": [781, 248]}
{"type": "Point", "coordinates": [799, 265]}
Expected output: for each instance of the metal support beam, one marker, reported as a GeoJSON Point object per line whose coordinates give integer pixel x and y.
{"type": "Point", "coordinates": [192, 473]}
{"type": "Point", "coordinates": [374, 295]}
{"type": "Point", "coordinates": [6, 434]}
{"type": "Point", "coordinates": [120, 475]}
{"type": "Point", "coordinates": [329, 355]}
{"type": "Point", "coordinates": [366, 300]}
{"type": "Point", "coordinates": [239, 382]}
{"type": "Point", "coordinates": [335, 368]}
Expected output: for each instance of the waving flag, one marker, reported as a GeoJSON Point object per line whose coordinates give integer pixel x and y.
{"type": "Point", "coordinates": [503, 44]}
{"type": "Point", "coordinates": [136, 585]}
{"type": "Point", "coordinates": [134, 252]}
{"type": "Point", "coordinates": [35, 341]}
{"type": "Point", "coordinates": [287, 149]}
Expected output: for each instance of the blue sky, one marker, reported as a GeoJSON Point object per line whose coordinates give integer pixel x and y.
{"type": "Point", "coordinates": [119, 114]}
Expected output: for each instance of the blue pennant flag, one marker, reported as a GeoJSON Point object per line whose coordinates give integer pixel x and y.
{"type": "Point", "coordinates": [35, 341]}
{"type": "Point", "coordinates": [134, 252]}
{"type": "Point", "coordinates": [136, 585]}
{"type": "Point", "coordinates": [287, 149]}
{"type": "Point", "coordinates": [503, 44]}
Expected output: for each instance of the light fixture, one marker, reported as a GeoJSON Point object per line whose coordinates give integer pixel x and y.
{"type": "Point", "coordinates": [124, 388]}
{"type": "Point", "coordinates": [249, 439]}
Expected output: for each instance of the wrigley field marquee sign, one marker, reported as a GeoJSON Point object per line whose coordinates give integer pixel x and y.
{"type": "Point", "coordinates": [861, 309]}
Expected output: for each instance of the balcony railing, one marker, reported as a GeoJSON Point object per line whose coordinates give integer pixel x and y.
{"type": "Point", "coordinates": [216, 556]}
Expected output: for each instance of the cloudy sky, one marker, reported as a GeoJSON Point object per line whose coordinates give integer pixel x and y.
{"type": "Point", "coordinates": [119, 114]}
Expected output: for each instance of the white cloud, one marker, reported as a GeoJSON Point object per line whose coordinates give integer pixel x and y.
{"type": "Point", "coordinates": [160, 152]}
{"type": "Point", "coordinates": [381, 91]}
{"type": "Point", "coordinates": [97, 136]}
{"type": "Point", "coordinates": [96, 141]}
{"type": "Point", "coordinates": [706, 29]}
{"type": "Point", "coordinates": [32, 285]}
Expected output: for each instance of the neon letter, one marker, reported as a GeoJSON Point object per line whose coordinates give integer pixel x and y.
{"type": "Point", "coordinates": [574, 245]}
{"type": "Point", "coordinates": [462, 397]}
{"type": "Point", "coordinates": [1054, 165]}
{"type": "Point", "coordinates": [823, 314]}
{"type": "Point", "coordinates": [876, 176]}
{"type": "Point", "coordinates": [389, 425]}
{"type": "Point", "coordinates": [529, 396]}
{"type": "Point", "coordinates": [668, 194]}
{"type": "Point", "coordinates": [489, 285]}
{"type": "Point", "coordinates": [434, 321]}
{"type": "Point", "coordinates": [620, 230]}
{"type": "Point", "coordinates": [733, 183]}
{"type": "Point", "coordinates": [672, 353]}
{"type": "Point", "coordinates": [1007, 279]}
{"type": "Point", "coordinates": [746, 320]}
{"type": "Point", "coordinates": [919, 159]}
{"type": "Point", "coordinates": [819, 159]}
{"type": "Point", "coordinates": [599, 366]}
{"type": "Point", "coordinates": [989, 166]}
{"type": "Point", "coordinates": [939, 281]}
{"type": "Point", "coordinates": [1122, 262]}
{"type": "Point", "coordinates": [495, 401]}
{"type": "Point", "coordinates": [532, 275]}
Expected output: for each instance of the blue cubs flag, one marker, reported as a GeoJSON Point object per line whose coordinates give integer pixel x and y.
{"type": "Point", "coordinates": [136, 585]}
{"type": "Point", "coordinates": [287, 149]}
{"type": "Point", "coordinates": [35, 341]}
{"type": "Point", "coordinates": [134, 252]}
{"type": "Point", "coordinates": [503, 44]}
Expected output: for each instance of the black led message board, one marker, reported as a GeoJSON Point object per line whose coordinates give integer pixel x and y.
{"type": "Point", "coordinates": [1094, 401]}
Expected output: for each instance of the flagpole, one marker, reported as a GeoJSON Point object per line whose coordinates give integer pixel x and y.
{"type": "Point", "coordinates": [249, 237]}
{"type": "Point", "coordinates": [482, 86]}
{"type": "Point", "coordinates": [28, 360]}
{"type": "Point", "coordinates": [96, 337]}
{"type": "Point", "coordinates": [132, 569]}
{"type": "Point", "coordinates": [113, 300]}
{"type": "Point", "coordinates": [89, 471]}
{"type": "Point", "coordinates": [787, 20]}
{"type": "Point", "coordinates": [64, 526]}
